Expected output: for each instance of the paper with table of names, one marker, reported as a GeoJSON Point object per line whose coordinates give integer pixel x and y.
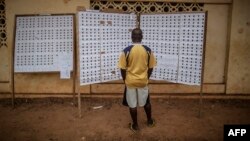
{"type": "Point", "coordinates": [102, 37]}
{"type": "Point", "coordinates": [175, 39]}
{"type": "Point", "coordinates": [41, 41]}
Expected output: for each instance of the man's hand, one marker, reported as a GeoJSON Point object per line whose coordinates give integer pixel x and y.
{"type": "Point", "coordinates": [123, 73]}
{"type": "Point", "coordinates": [150, 70]}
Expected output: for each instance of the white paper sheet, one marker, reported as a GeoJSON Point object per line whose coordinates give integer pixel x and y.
{"type": "Point", "coordinates": [40, 40]}
{"type": "Point", "coordinates": [102, 38]}
{"type": "Point", "coordinates": [177, 40]}
{"type": "Point", "coordinates": [65, 74]}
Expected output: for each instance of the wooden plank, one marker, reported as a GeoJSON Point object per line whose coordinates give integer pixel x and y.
{"type": "Point", "coordinates": [180, 96]}
{"type": "Point", "coordinates": [150, 82]}
{"type": "Point", "coordinates": [173, 88]}
{"type": "Point", "coordinates": [160, 88]}
{"type": "Point", "coordinates": [84, 89]}
{"type": "Point", "coordinates": [107, 88]}
{"type": "Point", "coordinates": [4, 81]}
{"type": "Point", "coordinates": [161, 96]}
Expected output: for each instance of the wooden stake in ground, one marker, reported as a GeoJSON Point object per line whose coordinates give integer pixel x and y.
{"type": "Point", "coordinates": [203, 64]}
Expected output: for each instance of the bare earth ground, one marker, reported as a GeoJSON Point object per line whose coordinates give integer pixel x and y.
{"type": "Point", "coordinates": [56, 119]}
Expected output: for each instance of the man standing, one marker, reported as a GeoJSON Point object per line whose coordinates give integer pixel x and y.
{"type": "Point", "coordinates": [136, 63]}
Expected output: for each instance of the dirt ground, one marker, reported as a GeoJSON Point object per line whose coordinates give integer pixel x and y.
{"type": "Point", "coordinates": [56, 119]}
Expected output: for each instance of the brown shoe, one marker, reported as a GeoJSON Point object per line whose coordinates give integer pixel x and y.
{"type": "Point", "coordinates": [133, 128]}
{"type": "Point", "coordinates": [151, 123]}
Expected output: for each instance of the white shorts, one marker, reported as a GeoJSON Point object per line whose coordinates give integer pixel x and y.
{"type": "Point", "coordinates": [136, 96]}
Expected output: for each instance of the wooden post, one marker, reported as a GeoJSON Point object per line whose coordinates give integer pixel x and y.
{"type": "Point", "coordinates": [77, 62]}
{"type": "Point", "coordinates": [79, 103]}
{"type": "Point", "coordinates": [74, 61]}
{"type": "Point", "coordinates": [13, 68]}
{"type": "Point", "coordinates": [203, 65]}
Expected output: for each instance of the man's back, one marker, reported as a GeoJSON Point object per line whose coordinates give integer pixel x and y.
{"type": "Point", "coordinates": [136, 63]}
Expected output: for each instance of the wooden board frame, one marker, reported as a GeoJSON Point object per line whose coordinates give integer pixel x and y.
{"type": "Point", "coordinates": [78, 57]}
{"type": "Point", "coordinates": [13, 54]}
{"type": "Point", "coordinates": [138, 25]}
{"type": "Point", "coordinates": [203, 53]}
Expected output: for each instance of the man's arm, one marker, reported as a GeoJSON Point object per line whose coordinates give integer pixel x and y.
{"type": "Point", "coordinates": [150, 70]}
{"type": "Point", "coordinates": [123, 72]}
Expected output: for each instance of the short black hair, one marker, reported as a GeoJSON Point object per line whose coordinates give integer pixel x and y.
{"type": "Point", "coordinates": [136, 35]}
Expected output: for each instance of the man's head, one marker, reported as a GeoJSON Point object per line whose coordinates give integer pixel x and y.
{"type": "Point", "coordinates": [136, 35]}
